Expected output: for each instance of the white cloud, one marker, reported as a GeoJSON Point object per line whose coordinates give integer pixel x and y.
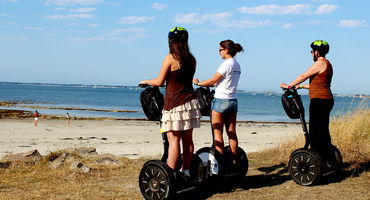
{"type": "Point", "coordinates": [245, 24]}
{"type": "Point", "coordinates": [94, 39]}
{"type": "Point", "coordinates": [317, 22]}
{"type": "Point", "coordinates": [10, 22]}
{"type": "Point", "coordinates": [134, 20]}
{"type": "Point", "coordinates": [288, 25]}
{"type": "Point", "coordinates": [71, 24]}
{"type": "Point", "coordinates": [159, 6]}
{"type": "Point", "coordinates": [3, 14]}
{"type": "Point", "coordinates": [117, 32]}
{"type": "Point", "coordinates": [72, 16]}
{"type": "Point", "coordinates": [13, 0]}
{"type": "Point", "coordinates": [351, 23]}
{"type": "Point", "coordinates": [59, 8]}
{"type": "Point", "coordinates": [73, 2]}
{"type": "Point", "coordinates": [273, 9]}
{"type": "Point", "coordinates": [195, 18]}
{"type": "Point", "coordinates": [83, 9]}
{"type": "Point", "coordinates": [321, 0]}
{"type": "Point", "coordinates": [326, 9]}
{"type": "Point", "coordinates": [34, 28]}
{"type": "Point", "coordinates": [16, 39]}
{"type": "Point", "coordinates": [93, 25]}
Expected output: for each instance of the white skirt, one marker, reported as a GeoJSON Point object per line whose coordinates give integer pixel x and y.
{"type": "Point", "coordinates": [182, 117]}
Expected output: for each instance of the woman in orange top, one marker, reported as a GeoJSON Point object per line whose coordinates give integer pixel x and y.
{"type": "Point", "coordinates": [321, 97]}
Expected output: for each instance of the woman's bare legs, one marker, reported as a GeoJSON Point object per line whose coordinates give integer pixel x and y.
{"type": "Point", "coordinates": [174, 150]}
{"type": "Point", "coordinates": [218, 121]}
{"type": "Point", "coordinates": [217, 124]}
{"type": "Point", "coordinates": [230, 126]}
{"type": "Point", "coordinates": [187, 148]}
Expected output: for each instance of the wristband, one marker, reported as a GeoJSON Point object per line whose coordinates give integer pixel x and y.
{"type": "Point", "coordinates": [196, 83]}
{"type": "Point", "coordinates": [289, 87]}
{"type": "Point", "coordinates": [300, 86]}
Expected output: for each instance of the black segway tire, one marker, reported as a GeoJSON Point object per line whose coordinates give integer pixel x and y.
{"type": "Point", "coordinates": [194, 169]}
{"type": "Point", "coordinates": [305, 167]}
{"type": "Point", "coordinates": [240, 170]}
{"type": "Point", "coordinates": [214, 158]}
{"type": "Point", "coordinates": [156, 180]}
{"type": "Point", "coordinates": [338, 159]}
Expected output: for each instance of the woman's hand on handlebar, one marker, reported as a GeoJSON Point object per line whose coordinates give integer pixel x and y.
{"type": "Point", "coordinates": [284, 86]}
{"type": "Point", "coordinates": [195, 81]}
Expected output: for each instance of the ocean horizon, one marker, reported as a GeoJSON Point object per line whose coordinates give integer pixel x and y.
{"type": "Point", "coordinates": [264, 106]}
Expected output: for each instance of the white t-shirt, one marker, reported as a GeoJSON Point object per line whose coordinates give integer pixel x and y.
{"type": "Point", "coordinates": [226, 87]}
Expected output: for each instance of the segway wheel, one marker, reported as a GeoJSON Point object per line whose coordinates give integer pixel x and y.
{"type": "Point", "coordinates": [156, 180]}
{"type": "Point", "coordinates": [213, 158]}
{"type": "Point", "coordinates": [194, 169]}
{"type": "Point", "coordinates": [305, 167]}
{"type": "Point", "coordinates": [338, 159]}
{"type": "Point", "coordinates": [241, 160]}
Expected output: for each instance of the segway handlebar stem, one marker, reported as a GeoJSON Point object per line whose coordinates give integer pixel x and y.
{"type": "Point", "coordinates": [301, 116]}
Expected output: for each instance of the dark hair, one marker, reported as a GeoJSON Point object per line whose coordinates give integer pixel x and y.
{"type": "Point", "coordinates": [181, 51]}
{"type": "Point", "coordinates": [231, 46]}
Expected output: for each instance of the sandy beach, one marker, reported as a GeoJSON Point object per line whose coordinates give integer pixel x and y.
{"type": "Point", "coordinates": [130, 138]}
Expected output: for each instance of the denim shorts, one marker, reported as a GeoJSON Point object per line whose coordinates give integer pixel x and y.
{"type": "Point", "coordinates": [224, 106]}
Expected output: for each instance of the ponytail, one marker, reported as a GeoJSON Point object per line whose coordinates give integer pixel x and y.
{"type": "Point", "coordinates": [232, 47]}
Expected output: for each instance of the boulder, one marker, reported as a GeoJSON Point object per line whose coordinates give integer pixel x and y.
{"type": "Point", "coordinates": [77, 166]}
{"type": "Point", "coordinates": [107, 161]}
{"type": "Point", "coordinates": [64, 157]}
{"type": "Point", "coordinates": [32, 156]}
{"type": "Point", "coordinates": [82, 151]}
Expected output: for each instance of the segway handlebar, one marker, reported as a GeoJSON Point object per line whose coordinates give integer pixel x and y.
{"type": "Point", "coordinates": [146, 85]}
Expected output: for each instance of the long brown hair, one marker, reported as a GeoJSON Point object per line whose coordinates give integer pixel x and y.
{"type": "Point", "coordinates": [181, 51]}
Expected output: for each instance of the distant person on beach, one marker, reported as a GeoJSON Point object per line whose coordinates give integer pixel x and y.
{"type": "Point", "coordinates": [181, 109]}
{"type": "Point", "coordinates": [321, 97]}
{"type": "Point", "coordinates": [225, 104]}
{"type": "Point", "coordinates": [36, 117]}
{"type": "Point", "coordinates": [68, 118]}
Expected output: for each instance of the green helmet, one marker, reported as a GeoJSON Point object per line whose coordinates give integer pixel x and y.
{"type": "Point", "coordinates": [321, 46]}
{"type": "Point", "coordinates": [178, 34]}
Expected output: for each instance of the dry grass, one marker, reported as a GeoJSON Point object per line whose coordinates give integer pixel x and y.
{"type": "Point", "coordinates": [351, 134]}
{"type": "Point", "coordinates": [267, 178]}
{"type": "Point", "coordinates": [41, 182]}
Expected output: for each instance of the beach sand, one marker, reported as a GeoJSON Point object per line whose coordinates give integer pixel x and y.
{"type": "Point", "coordinates": [130, 138]}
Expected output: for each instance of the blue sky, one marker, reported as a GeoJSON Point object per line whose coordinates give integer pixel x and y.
{"type": "Point", "coordinates": [112, 42]}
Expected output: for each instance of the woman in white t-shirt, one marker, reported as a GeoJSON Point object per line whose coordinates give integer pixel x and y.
{"type": "Point", "coordinates": [225, 104]}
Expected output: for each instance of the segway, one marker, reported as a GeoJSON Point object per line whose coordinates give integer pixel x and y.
{"type": "Point", "coordinates": [157, 180]}
{"type": "Point", "coordinates": [219, 166]}
{"type": "Point", "coordinates": [306, 167]}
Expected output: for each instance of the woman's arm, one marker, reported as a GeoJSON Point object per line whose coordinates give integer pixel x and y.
{"type": "Point", "coordinates": [210, 82]}
{"type": "Point", "coordinates": [166, 67]}
{"type": "Point", "coordinates": [316, 68]}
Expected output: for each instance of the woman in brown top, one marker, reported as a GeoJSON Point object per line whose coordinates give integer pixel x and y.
{"type": "Point", "coordinates": [181, 109]}
{"type": "Point", "coordinates": [321, 98]}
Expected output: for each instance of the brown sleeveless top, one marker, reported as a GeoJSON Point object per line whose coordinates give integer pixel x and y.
{"type": "Point", "coordinates": [320, 84]}
{"type": "Point", "coordinates": [179, 89]}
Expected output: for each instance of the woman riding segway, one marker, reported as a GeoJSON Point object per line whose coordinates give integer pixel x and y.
{"type": "Point", "coordinates": [321, 103]}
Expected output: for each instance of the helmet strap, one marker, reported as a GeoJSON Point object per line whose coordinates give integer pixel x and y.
{"type": "Point", "coordinates": [316, 55]}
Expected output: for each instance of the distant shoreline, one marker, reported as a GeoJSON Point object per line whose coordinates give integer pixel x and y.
{"type": "Point", "coordinates": [23, 114]}
{"type": "Point", "coordinates": [106, 86]}
{"type": "Point", "coordinates": [136, 87]}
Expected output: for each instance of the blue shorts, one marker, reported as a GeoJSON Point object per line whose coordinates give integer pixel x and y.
{"type": "Point", "coordinates": [224, 106]}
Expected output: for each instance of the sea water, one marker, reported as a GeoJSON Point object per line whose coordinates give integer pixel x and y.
{"type": "Point", "coordinates": [252, 106]}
